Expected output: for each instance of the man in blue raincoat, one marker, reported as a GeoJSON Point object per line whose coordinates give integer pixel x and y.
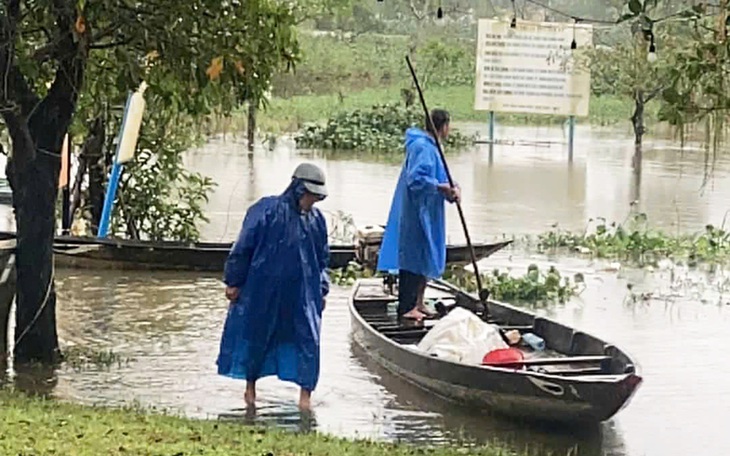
{"type": "Point", "coordinates": [276, 279]}
{"type": "Point", "coordinates": [414, 243]}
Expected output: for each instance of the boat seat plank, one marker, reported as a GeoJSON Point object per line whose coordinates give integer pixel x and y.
{"type": "Point", "coordinates": [578, 372]}
{"type": "Point", "coordinates": [556, 361]}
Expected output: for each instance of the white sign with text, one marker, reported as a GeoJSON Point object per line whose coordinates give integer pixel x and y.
{"type": "Point", "coordinates": [531, 68]}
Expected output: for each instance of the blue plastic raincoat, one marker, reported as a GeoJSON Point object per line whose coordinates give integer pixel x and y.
{"type": "Point", "coordinates": [279, 263]}
{"type": "Point", "coordinates": [415, 236]}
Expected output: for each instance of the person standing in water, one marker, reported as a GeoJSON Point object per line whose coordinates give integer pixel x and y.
{"type": "Point", "coordinates": [277, 280]}
{"type": "Point", "coordinates": [414, 242]}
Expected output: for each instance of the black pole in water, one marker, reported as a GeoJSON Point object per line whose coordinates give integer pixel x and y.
{"type": "Point", "coordinates": [483, 294]}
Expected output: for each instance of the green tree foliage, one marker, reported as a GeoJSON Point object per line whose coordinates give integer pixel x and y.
{"type": "Point", "coordinates": [195, 54]}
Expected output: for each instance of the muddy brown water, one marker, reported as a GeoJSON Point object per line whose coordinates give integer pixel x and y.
{"type": "Point", "coordinates": [170, 324]}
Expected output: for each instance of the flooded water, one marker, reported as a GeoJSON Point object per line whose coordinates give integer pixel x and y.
{"type": "Point", "coordinates": [170, 324]}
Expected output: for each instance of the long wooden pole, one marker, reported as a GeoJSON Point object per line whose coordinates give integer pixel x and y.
{"type": "Point", "coordinates": [483, 294]}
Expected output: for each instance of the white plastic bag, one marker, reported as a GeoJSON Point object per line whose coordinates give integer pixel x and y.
{"type": "Point", "coordinates": [463, 337]}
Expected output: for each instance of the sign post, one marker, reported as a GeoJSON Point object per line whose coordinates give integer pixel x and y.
{"type": "Point", "coordinates": [491, 136]}
{"type": "Point", "coordinates": [128, 134]}
{"type": "Point", "coordinates": [531, 69]}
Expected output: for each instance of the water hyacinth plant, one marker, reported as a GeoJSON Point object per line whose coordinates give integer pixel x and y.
{"type": "Point", "coordinates": [634, 241]}
{"type": "Point", "coordinates": [380, 128]}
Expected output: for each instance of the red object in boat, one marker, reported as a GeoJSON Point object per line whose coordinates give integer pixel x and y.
{"type": "Point", "coordinates": [511, 356]}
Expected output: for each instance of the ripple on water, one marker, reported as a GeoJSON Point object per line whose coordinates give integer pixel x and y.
{"type": "Point", "coordinates": [171, 323]}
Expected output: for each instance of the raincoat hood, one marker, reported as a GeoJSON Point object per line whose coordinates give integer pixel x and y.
{"type": "Point", "coordinates": [413, 134]}
{"type": "Point", "coordinates": [295, 190]}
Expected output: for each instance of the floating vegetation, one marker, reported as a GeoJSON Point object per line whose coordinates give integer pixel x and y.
{"type": "Point", "coordinates": [636, 242]}
{"type": "Point", "coordinates": [347, 276]}
{"type": "Point", "coordinates": [380, 128]}
{"type": "Point", "coordinates": [535, 286]}
{"type": "Point", "coordinates": [83, 357]}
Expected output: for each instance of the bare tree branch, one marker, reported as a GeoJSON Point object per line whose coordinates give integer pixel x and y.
{"type": "Point", "coordinates": [418, 14]}
{"type": "Point", "coordinates": [111, 44]}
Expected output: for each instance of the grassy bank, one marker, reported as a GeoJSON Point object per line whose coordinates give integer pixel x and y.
{"type": "Point", "coordinates": [290, 114]}
{"type": "Point", "coordinates": [36, 426]}
{"type": "Point", "coordinates": [338, 75]}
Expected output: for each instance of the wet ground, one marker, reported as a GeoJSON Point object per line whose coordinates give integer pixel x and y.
{"type": "Point", "coordinates": [170, 324]}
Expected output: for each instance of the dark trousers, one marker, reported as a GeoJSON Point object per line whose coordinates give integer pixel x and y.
{"type": "Point", "coordinates": [409, 288]}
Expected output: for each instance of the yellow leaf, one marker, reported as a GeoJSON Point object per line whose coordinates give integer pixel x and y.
{"type": "Point", "coordinates": [80, 24]}
{"type": "Point", "coordinates": [215, 68]}
{"type": "Point", "coordinates": [239, 67]}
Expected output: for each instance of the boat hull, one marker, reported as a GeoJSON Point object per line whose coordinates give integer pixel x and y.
{"type": "Point", "coordinates": [95, 253]}
{"type": "Point", "coordinates": [516, 394]}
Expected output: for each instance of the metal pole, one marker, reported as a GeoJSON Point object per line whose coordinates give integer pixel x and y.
{"type": "Point", "coordinates": [483, 293]}
{"type": "Point", "coordinates": [491, 136]}
{"type": "Point", "coordinates": [571, 135]}
{"type": "Point", "coordinates": [66, 216]}
{"type": "Point", "coordinates": [111, 190]}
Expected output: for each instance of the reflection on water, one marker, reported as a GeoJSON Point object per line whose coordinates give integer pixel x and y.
{"type": "Point", "coordinates": [525, 190]}
{"type": "Point", "coordinates": [170, 324]}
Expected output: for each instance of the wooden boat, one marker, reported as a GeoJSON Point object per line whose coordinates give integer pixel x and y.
{"type": "Point", "coordinates": [95, 253]}
{"type": "Point", "coordinates": [579, 379]}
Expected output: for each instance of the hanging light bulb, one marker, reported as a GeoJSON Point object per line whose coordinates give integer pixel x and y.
{"type": "Point", "coordinates": [574, 44]}
{"type": "Point", "coordinates": [513, 24]}
{"type": "Point", "coordinates": [651, 57]}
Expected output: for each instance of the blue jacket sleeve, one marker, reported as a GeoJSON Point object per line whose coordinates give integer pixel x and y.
{"type": "Point", "coordinates": [421, 170]}
{"type": "Point", "coordinates": [323, 254]}
{"type": "Point", "coordinates": [238, 262]}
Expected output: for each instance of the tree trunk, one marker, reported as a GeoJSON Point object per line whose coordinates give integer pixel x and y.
{"type": "Point", "coordinates": [96, 186]}
{"type": "Point", "coordinates": [251, 129]}
{"type": "Point", "coordinates": [35, 190]}
{"type": "Point", "coordinates": [637, 120]}
{"type": "Point", "coordinates": [92, 157]}
{"type": "Point", "coordinates": [37, 127]}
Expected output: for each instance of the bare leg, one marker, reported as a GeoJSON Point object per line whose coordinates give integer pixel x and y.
{"type": "Point", "coordinates": [421, 304]}
{"type": "Point", "coordinates": [305, 400]}
{"type": "Point", "coordinates": [250, 395]}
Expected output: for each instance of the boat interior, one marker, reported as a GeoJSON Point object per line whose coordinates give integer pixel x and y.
{"type": "Point", "coordinates": [567, 352]}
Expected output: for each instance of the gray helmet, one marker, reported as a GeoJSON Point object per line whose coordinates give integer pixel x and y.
{"type": "Point", "coordinates": [313, 177]}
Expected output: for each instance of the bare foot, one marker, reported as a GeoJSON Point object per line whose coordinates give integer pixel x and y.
{"type": "Point", "coordinates": [425, 311]}
{"type": "Point", "coordinates": [414, 314]}
{"type": "Point", "coordinates": [250, 395]}
{"type": "Point", "coordinates": [305, 401]}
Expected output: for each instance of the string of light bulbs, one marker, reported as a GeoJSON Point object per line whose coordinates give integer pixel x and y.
{"type": "Point", "coordinates": [648, 32]}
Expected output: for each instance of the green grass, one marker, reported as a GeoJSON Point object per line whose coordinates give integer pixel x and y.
{"type": "Point", "coordinates": [33, 426]}
{"type": "Point", "coordinates": [290, 114]}
{"type": "Point", "coordinates": [339, 75]}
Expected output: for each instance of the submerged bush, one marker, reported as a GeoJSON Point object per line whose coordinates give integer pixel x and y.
{"type": "Point", "coordinates": [534, 287]}
{"type": "Point", "coordinates": [634, 241]}
{"type": "Point", "coordinates": [381, 128]}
